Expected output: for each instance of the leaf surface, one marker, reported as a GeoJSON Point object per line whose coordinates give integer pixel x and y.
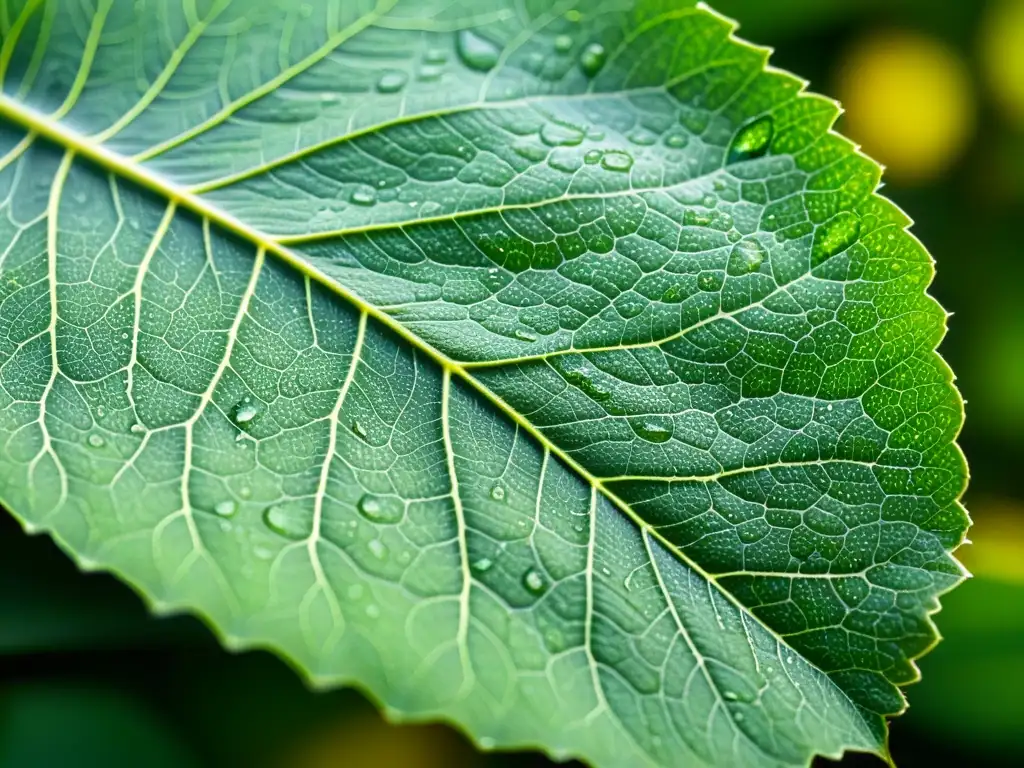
{"type": "Point", "coordinates": [549, 368]}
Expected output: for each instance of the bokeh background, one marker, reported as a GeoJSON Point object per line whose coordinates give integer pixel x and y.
{"type": "Point", "coordinates": [934, 89]}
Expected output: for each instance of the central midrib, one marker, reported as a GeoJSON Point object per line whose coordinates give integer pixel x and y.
{"type": "Point", "coordinates": [40, 125]}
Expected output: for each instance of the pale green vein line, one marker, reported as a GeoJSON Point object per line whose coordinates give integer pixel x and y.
{"type": "Point", "coordinates": [738, 471]}
{"type": "Point", "coordinates": [92, 43]}
{"type": "Point", "coordinates": [165, 75]}
{"type": "Point", "coordinates": [462, 638]}
{"type": "Point", "coordinates": [270, 85]}
{"type": "Point", "coordinates": [17, 150]}
{"type": "Point", "coordinates": [14, 36]}
{"type": "Point", "coordinates": [588, 616]}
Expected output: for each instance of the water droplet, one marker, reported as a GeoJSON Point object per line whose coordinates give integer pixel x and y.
{"type": "Point", "coordinates": [653, 429]}
{"type": "Point", "coordinates": [355, 592]}
{"type": "Point", "coordinates": [533, 581]}
{"type": "Point", "coordinates": [124, 335]}
{"type": "Point", "coordinates": [563, 43]}
{"type": "Point", "coordinates": [498, 493]}
{"type": "Point", "coordinates": [226, 508]}
{"type": "Point", "coordinates": [392, 82]}
{"type": "Point", "coordinates": [752, 140]}
{"type": "Point", "coordinates": [436, 56]}
{"type": "Point", "coordinates": [729, 695]}
{"type": "Point", "coordinates": [828, 407]}
{"type": "Point", "coordinates": [560, 135]}
{"type": "Point", "coordinates": [524, 335]}
{"type": "Point", "coordinates": [746, 257]}
{"type": "Point", "coordinates": [377, 549]}
{"type": "Point", "coordinates": [138, 429]}
{"type": "Point", "coordinates": [834, 236]}
{"type": "Point", "coordinates": [677, 140]}
{"type": "Point", "coordinates": [263, 553]}
{"type": "Point", "coordinates": [738, 717]}
{"type": "Point", "coordinates": [380, 509]}
{"type": "Point", "coordinates": [372, 611]}
{"type": "Point", "coordinates": [616, 161]}
{"type": "Point", "coordinates": [96, 441]}
{"type": "Point", "coordinates": [285, 523]}
{"type": "Point", "coordinates": [482, 565]}
{"type": "Point", "coordinates": [476, 52]}
{"type": "Point", "coordinates": [583, 378]}
{"type": "Point", "coordinates": [430, 72]}
{"type": "Point", "coordinates": [245, 412]}
{"type": "Point", "coordinates": [593, 157]}
{"type": "Point", "coordinates": [364, 197]}
{"type": "Point", "coordinates": [226, 527]}
{"type": "Point", "coordinates": [358, 430]}
{"type": "Point", "coordinates": [100, 410]}
{"type": "Point", "coordinates": [789, 659]}
{"type": "Point", "coordinates": [642, 137]}
{"type": "Point", "coordinates": [592, 59]}
{"type": "Point", "coordinates": [709, 200]}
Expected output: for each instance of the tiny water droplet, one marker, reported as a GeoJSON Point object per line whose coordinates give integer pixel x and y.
{"type": "Point", "coordinates": [677, 140]}
{"type": "Point", "coordinates": [653, 429]}
{"type": "Point", "coordinates": [533, 581]}
{"type": "Point", "coordinates": [828, 407]}
{"type": "Point", "coordinates": [245, 413]}
{"type": "Point", "coordinates": [429, 72]}
{"type": "Point", "coordinates": [498, 493]}
{"type": "Point", "coordinates": [482, 565]}
{"type": "Point", "coordinates": [392, 82]}
{"type": "Point", "coordinates": [593, 157]}
{"type": "Point", "coordinates": [96, 441]}
{"type": "Point", "coordinates": [789, 659]}
{"type": "Point", "coordinates": [563, 43]}
{"type": "Point", "coordinates": [729, 695]}
{"type": "Point", "coordinates": [709, 200]}
{"type": "Point", "coordinates": [138, 429]}
{"type": "Point", "coordinates": [226, 527]}
{"type": "Point", "coordinates": [436, 56]}
{"type": "Point", "coordinates": [377, 549]}
{"type": "Point", "coordinates": [285, 523]}
{"type": "Point", "coordinates": [560, 135]}
{"type": "Point", "coordinates": [616, 161]}
{"type": "Point", "coordinates": [592, 59]}
{"type": "Point", "coordinates": [364, 197]}
{"type": "Point", "coordinates": [583, 378]}
{"type": "Point", "coordinates": [524, 335]}
{"type": "Point", "coordinates": [476, 52]}
{"type": "Point", "coordinates": [358, 430]}
{"type": "Point", "coordinates": [263, 553]}
{"type": "Point", "coordinates": [355, 592]}
{"type": "Point", "coordinates": [124, 335]}
{"type": "Point", "coordinates": [372, 611]}
{"type": "Point", "coordinates": [752, 140]}
{"type": "Point", "coordinates": [642, 137]}
{"type": "Point", "coordinates": [226, 508]}
{"type": "Point", "coordinates": [746, 257]}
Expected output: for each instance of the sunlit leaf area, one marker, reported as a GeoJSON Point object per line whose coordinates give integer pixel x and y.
{"type": "Point", "coordinates": [442, 383]}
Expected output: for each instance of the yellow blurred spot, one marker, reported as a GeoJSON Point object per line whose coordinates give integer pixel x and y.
{"type": "Point", "coordinates": [1002, 55]}
{"type": "Point", "coordinates": [908, 102]}
{"type": "Point", "coordinates": [997, 536]}
{"type": "Point", "coordinates": [366, 741]}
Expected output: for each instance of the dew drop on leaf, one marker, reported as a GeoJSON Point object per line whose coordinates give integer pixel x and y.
{"type": "Point", "coordinates": [482, 565]}
{"type": "Point", "coordinates": [372, 611]}
{"type": "Point", "coordinates": [498, 493]}
{"type": "Point", "coordinates": [746, 257]}
{"type": "Point", "coordinates": [364, 197]}
{"type": "Point", "coordinates": [476, 52]}
{"type": "Point", "coordinates": [381, 509]}
{"type": "Point", "coordinates": [592, 59]}
{"type": "Point", "coordinates": [653, 429]}
{"type": "Point", "coordinates": [225, 508]}
{"type": "Point", "coordinates": [377, 549]}
{"type": "Point", "coordinates": [245, 413]}
{"type": "Point", "coordinates": [358, 430]}
{"type": "Point", "coordinates": [524, 335]}
{"type": "Point", "coordinates": [355, 592]}
{"type": "Point", "coordinates": [96, 441]}
{"type": "Point", "coordinates": [533, 581]}
{"type": "Point", "coordinates": [676, 140]}
{"type": "Point", "coordinates": [138, 429]}
{"type": "Point", "coordinates": [392, 82]}
{"type": "Point", "coordinates": [284, 523]}
{"type": "Point", "coordinates": [563, 43]}
{"type": "Point", "coordinates": [593, 157]}
{"type": "Point", "coordinates": [834, 236]}
{"type": "Point", "coordinates": [436, 56]}
{"type": "Point", "coordinates": [616, 161]}
{"type": "Point", "coordinates": [752, 140]}
{"type": "Point", "coordinates": [560, 135]}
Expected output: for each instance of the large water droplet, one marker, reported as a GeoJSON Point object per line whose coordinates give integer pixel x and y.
{"type": "Point", "coordinates": [476, 52]}
{"type": "Point", "coordinates": [364, 197]}
{"type": "Point", "coordinates": [834, 236]}
{"type": "Point", "coordinates": [96, 441]}
{"type": "Point", "coordinates": [245, 413]}
{"type": "Point", "coordinates": [753, 140]}
{"type": "Point", "coordinates": [654, 429]}
{"type": "Point", "coordinates": [592, 59]}
{"type": "Point", "coordinates": [225, 508]}
{"type": "Point", "coordinates": [392, 82]}
{"type": "Point", "coordinates": [583, 378]}
{"type": "Point", "coordinates": [616, 161]}
{"type": "Point", "coordinates": [560, 135]}
{"type": "Point", "coordinates": [285, 522]}
{"type": "Point", "coordinates": [381, 509]}
{"type": "Point", "coordinates": [746, 257]}
{"type": "Point", "coordinates": [533, 581]}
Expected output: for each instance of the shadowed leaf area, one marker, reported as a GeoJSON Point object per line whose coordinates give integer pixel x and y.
{"type": "Point", "coordinates": [547, 368]}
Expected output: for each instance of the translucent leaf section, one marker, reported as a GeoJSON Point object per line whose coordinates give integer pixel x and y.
{"type": "Point", "coordinates": [550, 369]}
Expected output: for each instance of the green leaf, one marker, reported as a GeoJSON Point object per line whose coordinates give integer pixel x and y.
{"type": "Point", "coordinates": [552, 370]}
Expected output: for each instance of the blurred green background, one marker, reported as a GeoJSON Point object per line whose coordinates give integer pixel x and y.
{"type": "Point", "coordinates": [934, 89]}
